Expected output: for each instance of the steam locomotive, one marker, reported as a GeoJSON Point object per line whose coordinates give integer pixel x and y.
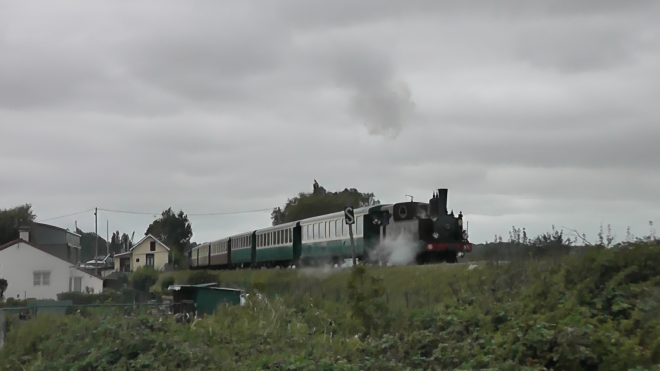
{"type": "Point", "coordinates": [400, 233]}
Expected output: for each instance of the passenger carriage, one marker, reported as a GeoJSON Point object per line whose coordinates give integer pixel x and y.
{"type": "Point", "coordinates": [278, 245]}
{"type": "Point", "coordinates": [219, 254]}
{"type": "Point", "coordinates": [241, 251]}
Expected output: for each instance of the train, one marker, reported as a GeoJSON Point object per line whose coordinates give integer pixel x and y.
{"type": "Point", "coordinates": [427, 231]}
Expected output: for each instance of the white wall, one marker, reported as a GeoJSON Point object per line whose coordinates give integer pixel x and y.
{"type": "Point", "coordinates": [18, 262]}
{"type": "Point", "coordinates": [88, 281]}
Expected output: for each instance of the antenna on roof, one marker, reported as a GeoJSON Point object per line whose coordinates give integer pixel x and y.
{"type": "Point", "coordinates": [411, 197]}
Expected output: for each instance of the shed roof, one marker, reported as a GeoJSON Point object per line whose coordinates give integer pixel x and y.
{"type": "Point", "coordinates": [211, 285]}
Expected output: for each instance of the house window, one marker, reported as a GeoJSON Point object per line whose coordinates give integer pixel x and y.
{"type": "Point", "coordinates": [41, 278]}
{"type": "Point", "coordinates": [150, 260]}
{"type": "Point", "coordinates": [152, 246]}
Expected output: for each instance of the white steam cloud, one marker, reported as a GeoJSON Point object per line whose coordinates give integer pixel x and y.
{"type": "Point", "coordinates": [321, 273]}
{"type": "Point", "coordinates": [397, 250]}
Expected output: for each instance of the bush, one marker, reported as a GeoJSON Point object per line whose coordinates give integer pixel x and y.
{"type": "Point", "coordinates": [3, 288]}
{"type": "Point", "coordinates": [81, 298]}
{"type": "Point", "coordinates": [595, 311]}
{"type": "Point", "coordinates": [167, 282]}
{"type": "Point", "coordinates": [143, 278]}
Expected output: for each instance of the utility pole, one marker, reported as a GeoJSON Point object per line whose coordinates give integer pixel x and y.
{"type": "Point", "coordinates": [107, 237]}
{"type": "Point", "coordinates": [96, 238]}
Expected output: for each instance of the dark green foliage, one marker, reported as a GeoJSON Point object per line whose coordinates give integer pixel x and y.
{"type": "Point", "coordinates": [143, 278]}
{"type": "Point", "coordinates": [597, 310]}
{"type": "Point", "coordinates": [81, 298]}
{"type": "Point", "coordinates": [88, 245]}
{"type": "Point", "coordinates": [203, 276]}
{"type": "Point", "coordinates": [167, 282]}
{"type": "Point", "coordinates": [320, 202]}
{"type": "Point", "coordinates": [74, 343]}
{"type": "Point", "coordinates": [11, 219]}
{"type": "Point", "coordinates": [366, 296]}
{"type": "Point", "coordinates": [3, 287]}
{"type": "Point", "coordinates": [120, 243]}
{"type": "Point", "coordinates": [174, 230]}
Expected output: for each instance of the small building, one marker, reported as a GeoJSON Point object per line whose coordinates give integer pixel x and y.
{"type": "Point", "coordinates": [148, 252]}
{"type": "Point", "coordinates": [34, 271]}
{"type": "Point", "coordinates": [104, 264]}
{"type": "Point", "coordinates": [207, 297]}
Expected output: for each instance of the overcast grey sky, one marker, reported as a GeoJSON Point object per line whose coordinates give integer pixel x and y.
{"type": "Point", "coordinates": [532, 113]}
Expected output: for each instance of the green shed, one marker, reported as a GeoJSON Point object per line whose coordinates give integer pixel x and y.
{"type": "Point", "coordinates": [207, 297]}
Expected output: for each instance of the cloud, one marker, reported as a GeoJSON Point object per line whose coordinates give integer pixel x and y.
{"type": "Point", "coordinates": [531, 114]}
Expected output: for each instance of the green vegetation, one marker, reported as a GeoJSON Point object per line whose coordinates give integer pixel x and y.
{"type": "Point", "coordinates": [143, 278]}
{"type": "Point", "coordinates": [175, 231]}
{"type": "Point", "coordinates": [11, 219]}
{"type": "Point", "coordinates": [596, 310]}
{"type": "Point", "coordinates": [320, 202]}
{"type": "Point", "coordinates": [3, 287]}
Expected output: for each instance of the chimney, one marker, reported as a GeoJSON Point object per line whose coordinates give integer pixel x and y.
{"type": "Point", "coordinates": [442, 201]}
{"type": "Point", "coordinates": [24, 233]}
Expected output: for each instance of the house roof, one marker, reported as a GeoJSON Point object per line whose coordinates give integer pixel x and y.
{"type": "Point", "coordinates": [155, 239]}
{"type": "Point", "coordinates": [123, 253]}
{"type": "Point", "coordinates": [20, 240]}
{"type": "Point", "coordinates": [56, 227]}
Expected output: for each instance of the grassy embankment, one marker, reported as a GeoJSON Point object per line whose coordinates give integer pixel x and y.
{"type": "Point", "coordinates": [595, 311]}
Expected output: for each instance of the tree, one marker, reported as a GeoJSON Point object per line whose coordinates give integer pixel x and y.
{"type": "Point", "coordinates": [320, 202]}
{"type": "Point", "coordinates": [174, 230]}
{"type": "Point", "coordinates": [3, 288]}
{"type": "Point", "coordinates": [12, 219]}
{"type": "Point", "coordinates": [120, 243]}
{"type": "Point", "coordinates": [88, 244]}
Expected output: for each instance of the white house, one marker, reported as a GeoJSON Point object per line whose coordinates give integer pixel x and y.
{"type": "Point", "coordinates": [32, 272]}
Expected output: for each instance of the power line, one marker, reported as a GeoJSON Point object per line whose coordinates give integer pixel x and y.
{"type": "Point", "coordinates": [64, 216]}
{"type": "Point", "coordinates": [202, 214]}
{"type": "Point", "coordinates": [143, 213]}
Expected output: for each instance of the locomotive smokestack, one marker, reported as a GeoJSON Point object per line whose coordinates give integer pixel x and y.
{"type": "Point", "coordinates": [441, 200]}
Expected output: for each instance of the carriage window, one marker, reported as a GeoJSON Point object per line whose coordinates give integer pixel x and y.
{"type": "Point", "coordinates": [331, 225]}
{"type": "Point", "coordinates": [288, 236]}
{"type": "Point", "coordinates": [359, 225]}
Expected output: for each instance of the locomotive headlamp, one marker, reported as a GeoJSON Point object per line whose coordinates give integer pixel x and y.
{"type": "Point", "coordinates": [436, 235]}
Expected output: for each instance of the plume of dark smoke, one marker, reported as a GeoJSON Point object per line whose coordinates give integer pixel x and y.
{"type": "Point", "coordinates": [381, 101]}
